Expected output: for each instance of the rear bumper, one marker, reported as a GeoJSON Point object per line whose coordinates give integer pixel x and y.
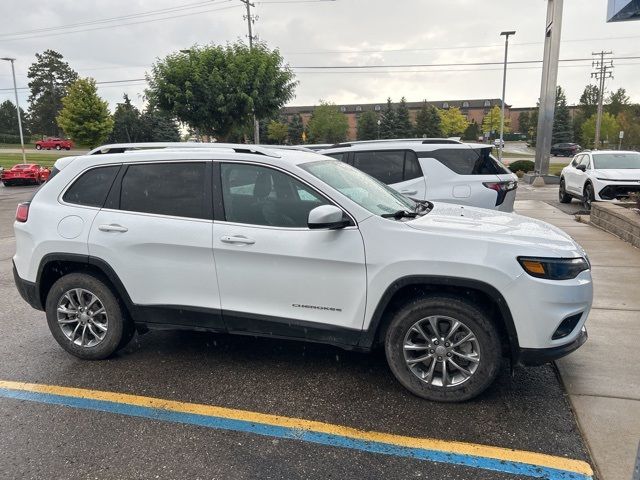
{"type": "Point", "coordinates": [27, 290]}
{"type": "Point", "coordinates": [539, 356]}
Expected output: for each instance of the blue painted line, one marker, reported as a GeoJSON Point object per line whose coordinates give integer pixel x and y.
{"type": "Point", "coordinates": [244, 426]}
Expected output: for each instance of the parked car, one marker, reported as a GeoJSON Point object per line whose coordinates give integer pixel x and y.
{"type": "Point", "coordinates": [442, 170]}
{"type": "Point", "coordinates": [497, 142]}
{"type": "Point", "coordinates": [565, 149]}
{"type": "Point", "coordinates": [603, 175]}
{"type": "Point", "coordinates": [25, 173]}
{"type": "Point", "coordinates": [53, 142]}
{"type": "Point", "coordinates": [305, 248]}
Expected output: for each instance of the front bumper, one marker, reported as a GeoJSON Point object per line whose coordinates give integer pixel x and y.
{"type": "Point", "coordinates": [616, 191]}
{"type": "Point", "coordinates": [539, 356]}
{"type": "Point", "coordinates": [27, 290]}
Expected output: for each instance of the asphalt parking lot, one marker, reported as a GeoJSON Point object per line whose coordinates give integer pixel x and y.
{"type": "Point", "coordinates": [53, 432]}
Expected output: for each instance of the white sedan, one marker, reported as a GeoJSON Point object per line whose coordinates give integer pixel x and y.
{"type": "Point", "coordinates": [604, 175]}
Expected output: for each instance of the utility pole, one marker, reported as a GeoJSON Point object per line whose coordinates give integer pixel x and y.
{"type": "Point", "coordinates": [603, 70]}
{"type": "Point", "coordinates": [504, 87]}
{"type": "Point", "coordinates": [250, 20]}
{"type": "Point", "coordinates": [548, 87]}
{"type": "Point", "coordinates": [15, 91]}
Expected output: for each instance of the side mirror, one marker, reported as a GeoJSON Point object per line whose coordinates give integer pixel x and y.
{"type": "Point", "coordinates": [327, 216]}
{"type": "Point", "coordinates": [582, 168]}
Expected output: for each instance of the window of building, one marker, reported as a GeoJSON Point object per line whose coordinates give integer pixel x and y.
{"type": "Point", "coordinates": [465, 104]}
{"type": "Point", "coordinates": [176, 189]}
{"type": "Point", "coordinates": [445, 105]}
{"type": "Point", "coordinates": [343, 109]}
{"type": "Point", "coordinates": [377, 108]}
{"type": "Point", "coordinates": [487, 103]}
{"type": "Point", "coordinates": [92, 187]}
{"type": "Point", "coordinates": [358, 108]}
{"type": "Point", "coordinates": [258, 195]}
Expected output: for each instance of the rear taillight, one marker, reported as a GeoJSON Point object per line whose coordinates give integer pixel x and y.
{"type": "Point", "coordinates": [501, 188]}
{"type": "Point", "coordinates": [22, 212]}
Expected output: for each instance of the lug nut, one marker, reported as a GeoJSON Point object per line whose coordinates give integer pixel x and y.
{"type": "Point", "coordinates": [447, 344]}
{"type": "Point", "coordinates": [439, 358]}
{"type": "Point", "coordinates": [432, 351]}
{"type": "Point", "coordinates": [436, 342]}
{"type": "Point", "coordinates": [448, 354]}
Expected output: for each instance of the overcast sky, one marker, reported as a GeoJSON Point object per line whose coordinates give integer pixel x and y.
{"type": "Point", "coordinates": [328, 33]}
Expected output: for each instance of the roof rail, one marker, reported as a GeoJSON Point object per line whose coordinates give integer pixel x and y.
{"type": "Point", "coordinates": [237, 147]}
{"type": "Point", "coordinates": [395, 140]}
{"type": "Point", "coordinates": [431, 141]}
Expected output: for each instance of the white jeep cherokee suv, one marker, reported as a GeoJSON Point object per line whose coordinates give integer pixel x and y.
{"type": "Point", "coordinates": [292, 244]}
{"type": "Point", "coordinates": [603, 175]}
{"type": "Point", "coordinates": [435, 169]}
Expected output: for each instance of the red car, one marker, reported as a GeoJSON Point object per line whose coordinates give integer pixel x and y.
{"type": "Point", "coordinates": [57, 143]}
{"type": "Point", "coordinates": [25, 173]}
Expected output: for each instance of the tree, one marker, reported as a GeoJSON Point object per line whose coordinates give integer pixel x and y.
{"type": "Point", "coordinates": [85, 116]}
{"type": "Point", "coordinates": [491, 122]}
{"type": "Point", "coordinates": [296, 129]}
{"type": "Point", "coordinates": [157, 126]}
{"type": "Point", "coordinates": [454, 123]}
{"type": "Point", "coordinates": [388, 121]}
{"type": "Point", "coordinates": [368, 126]}
{"type": "Point", "coordinates": [127, 125]}
{"type": "Point", "coordinates": [609, 128]}
{"type": "Point", "coordinates": [589, 100]}
{"type": "Point", "coordinates": [327, 124]}
{"type": "Point", "coordinates": [562, 127]}
{"type": "Point", "coordinates": [472, 132]}
{"type": "Point", "coordinates": [49, 79]}
{"type": "Point", "coordinates": [617, 102]}
{"type": "Point", "coordinates": [428, 122]}
{"type": "Point", "coordinates": [533, 130]}
{"type": "Point", "coordinates": [404, 127]}
{"type": "Point", "coordinates": [277, 131]}
{"type": "Point", "coordinates": [218, 89]}
{"type": "Point", "coordinates": [524, 122]}
{"type": "Point", "coordinates": [9, 121]}
{"type": "Point", "coordinates": [629, 121]}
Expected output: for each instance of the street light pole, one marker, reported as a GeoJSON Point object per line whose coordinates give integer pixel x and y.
{"type": "Point", "coordinates": [504, 87]}
{"type": "Point", "coordinates": [15, 90]}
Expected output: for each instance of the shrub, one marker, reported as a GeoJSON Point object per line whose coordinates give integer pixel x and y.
{"type": "Point", "coordinates": [523, 165]}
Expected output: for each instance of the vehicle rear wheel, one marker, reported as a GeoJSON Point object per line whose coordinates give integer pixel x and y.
{"type": "Point", "coordinates": [85, 317]}
{"type": "Point", "coordinates": [443, 348]}
{"type": "Point", "coordinates": [38, 147]}
{"type": "Point", "coordinates": [587, 198]}
{"type": "Point", "coordinates": [562, 193]}
{"type": "Point", "coordinates": [7, 184]}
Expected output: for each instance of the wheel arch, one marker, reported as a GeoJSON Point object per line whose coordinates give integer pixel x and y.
{"type": "Point", "coordinates": [410, 287]}
{"type": "Point", "coordinates": [55, 265]}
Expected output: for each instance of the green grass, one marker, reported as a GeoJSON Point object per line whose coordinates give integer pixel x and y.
{"type": "Point", "coordinates": [8, 160]}
{"type": "Point", "coordinates": [556, 168]}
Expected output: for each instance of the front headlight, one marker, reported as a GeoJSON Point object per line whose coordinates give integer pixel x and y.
{"type": "Point", "coordinates": [554, 268]}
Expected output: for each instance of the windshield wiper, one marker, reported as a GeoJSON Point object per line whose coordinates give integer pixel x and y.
{"type": "Point", "coordinates": [422, 206]}
{"type": "Point", "coordinates": [400, 214]}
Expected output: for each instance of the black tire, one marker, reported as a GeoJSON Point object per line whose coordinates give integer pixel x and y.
{"type": "Point", "coordinates": [118, 329]}
{"type": "Point", "coordinates": [473, 319]}
{"type": "Point", "coordinates": [563, 196]}
{"type": "Point", "coordinates": [38, 147]}
{"type": "Point", "coordinates": [58, 147]}
{"type": "Point", "coordinates": [67, 148]}
{"type": "Point", "coordinates": [587, 196]}
{"type": "Point", "coordinates": [7, 184]}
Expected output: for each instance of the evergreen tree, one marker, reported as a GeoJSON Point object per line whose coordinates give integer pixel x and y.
{"type": "Point", "coordinates": [533, 130]}
{"type": "Point", "coordinates": [388, 121]}
{"type": "Point", "coordinates": [368, 126]}
{"type": "Point", "coordinates": [428, 122]}
{"type": "Point", "coordinates": [296, 128]}
{"type": "Point", "coordinates": [524, 122]}
{"type": "Point", "coordinates": [158, 126]}
{"type": "Point", "coordinates": [617, 102]}
{"type": "Point", "coordinates": [404, 127]}
{"type": "Point", "coordinates": [589, 100]}
{"type": "Point", "coordinates": [9, 122]}
{"type": "Point", "coordinates": [85, 116]}
{"type": "Point", "coordinates": [472, 132]}
{"type": "Point", "coordinates": [562, 126]}
{"type": "Point", "coordinates": [127, 125]}
{"type": "Point", "coordinates": [49, 79]}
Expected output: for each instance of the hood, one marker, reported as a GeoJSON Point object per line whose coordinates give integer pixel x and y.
{"type": "Point", "coordinates": [618, 173]}
{"type": "Point", "coordinates": [495, 226]}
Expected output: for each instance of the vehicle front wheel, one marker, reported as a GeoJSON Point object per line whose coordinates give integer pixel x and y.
{"type": "Point", "coordinates": [58, 147]}
{"type": "Point", "coordinates": [85, 317]}
{"type": "Point", "coordinates": [38, 147]}
{"type": "Point", "coordinates": [587, 198]}
{"type": "Point", "coordinates": [443, 348]}
{"type": "Point", "coordinates": [564, 197]}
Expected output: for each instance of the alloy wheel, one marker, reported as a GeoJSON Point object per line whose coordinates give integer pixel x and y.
{"type": "Point", "coordinates": [441, 351]}
{"type": "Point", "coordinates": [82, 317]}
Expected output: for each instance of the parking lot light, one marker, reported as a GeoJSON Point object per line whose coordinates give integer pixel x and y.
{"type": "Point", "coordinates": [504, 85]}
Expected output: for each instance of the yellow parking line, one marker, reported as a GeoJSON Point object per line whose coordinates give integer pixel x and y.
{"type": "Point", "coordinates": [449, 447]}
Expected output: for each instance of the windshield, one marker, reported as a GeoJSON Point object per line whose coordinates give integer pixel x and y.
{"type": "Point", "coordinates": [366, 191]}
{"type": "Point", "coordinates": [616, 160]}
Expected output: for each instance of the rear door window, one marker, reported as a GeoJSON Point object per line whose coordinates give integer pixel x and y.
{"type": "Point", "coordinates": [175, 189]}
{"type": "Point", "coordinates": [471, 161]}
{"type": "Point", "coordinates": [92, 187]}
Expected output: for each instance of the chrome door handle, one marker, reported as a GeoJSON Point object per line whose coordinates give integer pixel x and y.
{"type": "Point", "coordinates": [409, 192]}
{"type": "Point", "coordinates": [237, 239]}
{"type": "Point", "coordinates": [113, 228]}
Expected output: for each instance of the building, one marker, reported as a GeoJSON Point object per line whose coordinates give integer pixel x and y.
{"type": "Point", "coordinates": [473, 109]}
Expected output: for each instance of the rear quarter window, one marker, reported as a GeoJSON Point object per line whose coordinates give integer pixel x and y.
{"type": "Point", "coordinates": [92, 187]}
{"type": "Point", "coordinates": [472, 161]}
